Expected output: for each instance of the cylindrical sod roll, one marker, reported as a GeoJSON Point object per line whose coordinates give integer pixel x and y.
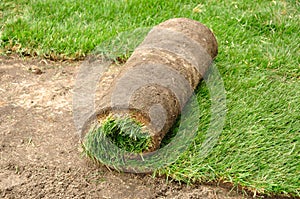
{"type": "Point", "coordinates": [153, 86]}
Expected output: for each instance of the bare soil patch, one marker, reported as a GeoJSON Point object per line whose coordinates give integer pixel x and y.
{"type": "Point", "coordinates": [39, 150]}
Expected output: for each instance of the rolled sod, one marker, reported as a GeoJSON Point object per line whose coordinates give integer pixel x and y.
{"type": "Point", "coordinates": [147, 96]}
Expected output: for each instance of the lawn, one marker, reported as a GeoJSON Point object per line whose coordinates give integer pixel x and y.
{"type": "Point", "coordinates": [259, 61]}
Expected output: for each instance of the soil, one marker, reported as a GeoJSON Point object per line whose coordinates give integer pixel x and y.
{"type": "Point", "coordinates": [39, 149]}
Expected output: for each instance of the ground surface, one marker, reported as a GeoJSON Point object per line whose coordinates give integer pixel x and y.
{"type": "Point", "coordinates": [39, 150]}
{"type": "Point", "coordinates": [258, 59]}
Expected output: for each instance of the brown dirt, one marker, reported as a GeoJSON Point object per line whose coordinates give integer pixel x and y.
{"type": "Point", "coordinates": [39, 151]}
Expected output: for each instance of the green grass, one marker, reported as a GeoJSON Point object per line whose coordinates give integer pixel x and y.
{"type": "Point", "coordinates": [259, 60]}
{"type": "Point", "coordinates": [125, 133]}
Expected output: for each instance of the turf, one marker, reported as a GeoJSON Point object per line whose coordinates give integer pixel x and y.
{"type": "Point", "coordinates": [258, 60]}
{"type": "Point", "coordinates": [125, 133]}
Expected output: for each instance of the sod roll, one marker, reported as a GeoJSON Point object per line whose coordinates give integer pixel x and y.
{"type": "Point", "coordinates": [146, 97]}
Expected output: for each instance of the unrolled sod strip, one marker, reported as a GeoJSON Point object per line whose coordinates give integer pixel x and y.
{"type": "Point", "coordinates": [155, 83]}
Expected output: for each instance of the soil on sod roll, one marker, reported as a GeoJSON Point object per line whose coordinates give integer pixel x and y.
{"type": "Point", "coordinates": [148, 94]}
